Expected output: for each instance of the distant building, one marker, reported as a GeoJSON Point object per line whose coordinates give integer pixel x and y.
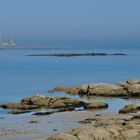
{"type": "Point", "coordinates": [0, 40]}
{"type": "Point", "coordinates": [11, 42]}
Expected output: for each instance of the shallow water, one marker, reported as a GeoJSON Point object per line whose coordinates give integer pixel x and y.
{"type": "Point", "coordinates": [22, 75]}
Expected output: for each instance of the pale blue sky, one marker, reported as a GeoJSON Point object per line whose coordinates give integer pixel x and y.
{"type": "Point", "coordinates": [70, 19]}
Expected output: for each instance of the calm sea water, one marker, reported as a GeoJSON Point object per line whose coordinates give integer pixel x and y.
{"type": "Point", "coordinates": [22, 76]}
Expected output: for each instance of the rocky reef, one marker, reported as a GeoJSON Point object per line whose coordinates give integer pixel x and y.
{"type": "Point", "coordinates": [57, 104]}
{"type": "Point", "coordinates": [130, 88]}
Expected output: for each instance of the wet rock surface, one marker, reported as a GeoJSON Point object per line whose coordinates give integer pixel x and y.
{"type": "Point", "coordinates": [104, 127]}
{"type": "Point", "coordinates": [18, 111]}
{"type": "Point", "coordinates": [130, 88]}
{"type": "Point", "coordinates": [58, 104]}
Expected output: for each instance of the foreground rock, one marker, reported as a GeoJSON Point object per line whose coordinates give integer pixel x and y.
{"type": "Point", "coordinates": [118, 127]}
{"type": "Point", "coordinates": [132, 108]}
{"type": "Point", "coordinates": [58, 104]}
{"type": "Point", "coordinates": [130, 88]}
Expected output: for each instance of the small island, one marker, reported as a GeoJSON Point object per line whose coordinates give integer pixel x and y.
{"type": "Point", "coordinates": [77, 54]}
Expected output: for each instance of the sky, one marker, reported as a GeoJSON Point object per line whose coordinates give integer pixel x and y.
{"type": "Point", "coordinates": [70, 19]}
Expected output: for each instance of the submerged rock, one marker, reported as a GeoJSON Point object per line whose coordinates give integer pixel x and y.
{"type": "Point", "coordinates": [60, 88]}
{"type": "Point", "coordinates": [18, 106]}
{"type": "Point", "coordinates": [55, 111]}
{"type": "Point", "coordinates": [10, 106]}
{"type": "Point", "coordinates": [19, 111]}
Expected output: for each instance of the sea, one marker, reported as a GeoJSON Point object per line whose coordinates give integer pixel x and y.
{"type": "Point", "coordinates": [22, 75]}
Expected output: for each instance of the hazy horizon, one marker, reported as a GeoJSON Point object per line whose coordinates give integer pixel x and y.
{"type": "Point", "coordinates": [39, 21]}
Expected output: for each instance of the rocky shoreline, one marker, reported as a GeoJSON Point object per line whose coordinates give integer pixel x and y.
{"type": "Point", "coordinates": [124, 125]}
{"type": "Point", "coordinates": [104, 127]}
{"type": "Point", "coordinates": [128, 89]}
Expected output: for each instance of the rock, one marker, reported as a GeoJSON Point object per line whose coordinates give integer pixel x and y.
{"type": "Point", "coordinates": [43, 113]}
{"type": "Point", "coordinates": [97, 105]}
{"type": "Point", "coordinates": [55, 111]}
{"type": "Point", "coordinates": [36, 100]}
{"type": "Point", "coordinates": [89, 134]}
{"type": "Point", "coordinates": [60, 88]}
{"type": "Point", "coordinates": [133, 81]}
{"type": "Point", "coordinates": [130, 88]}
{"type": "Point", "coordinates": [51, 91]}
{"type": "Point", "coordinates": [104, 128]}
{"type": "Point", "coordinates": [41, 96]}
{"type": "Point", "coordinates": [27, 107]}
{"type": "Point", "coordinates": [83, 88]}
{"type": "Point", "coordinates": [40, 101]}
{"type": "Point", "coordinates": [18, 106]}
{"type": "Point", "coordinates": [64, 102]}
{"type": "Point", "coordinates": [72, 90]}
{"type": "Point", "coordinates": [65, 109]}
{"type": "Point", "coordinates": [55, 129]}
{"type": "Point", "coordinates": [134, 90]}
{"type": "Point", "coordinates": [132, 108]}
{"type": "Point", "coordinates": [33, 122]}
{"type": "Point", "coordinates": [10, 106]}
{"type": "Point", "coordinates": [123, 84]}
{"type": "Point", "coordinates": [19, 111]}
{"type": "Point", "coordinates": [48, 102]}
{"type": "Point", "coordinates": [63, 136]}
{"type": "Point", "coordinates": [103, 89]}
{"type": "Point", "coordinates": [136, 116]}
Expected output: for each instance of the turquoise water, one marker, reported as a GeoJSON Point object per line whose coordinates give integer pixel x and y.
{"type": "Point", "coordinates": [22, 75]}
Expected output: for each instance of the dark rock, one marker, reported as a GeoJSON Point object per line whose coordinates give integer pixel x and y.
{"type": "Point", "coordinates": [43, 113]}
{"type": "Point", "coordinates": [33, 122]}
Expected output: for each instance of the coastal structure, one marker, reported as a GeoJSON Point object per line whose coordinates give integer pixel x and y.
{"type": "Point", "coordinates": [0, 40]}
{"type": "Point", "coordinates": [10, 42]}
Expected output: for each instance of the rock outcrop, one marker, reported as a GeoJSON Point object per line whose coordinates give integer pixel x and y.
{"type": "Point", "coordinates": [118, 127]}
{"type": "Point", "coordinates": [131, 108]}
{"type": "Point", "coordinates": [40, 101]}
{"type": "Point", "coordinates": [130, 88]}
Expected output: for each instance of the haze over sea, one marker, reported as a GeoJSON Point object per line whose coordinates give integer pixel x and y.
{"type": "Point", "coordinates": [24, 76]}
